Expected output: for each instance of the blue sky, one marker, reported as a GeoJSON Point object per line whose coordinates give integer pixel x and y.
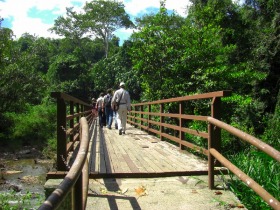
{"type": "Point", "coordinates": [37, 16]}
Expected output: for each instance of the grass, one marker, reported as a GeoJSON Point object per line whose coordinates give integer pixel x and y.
{"type": "Point", "coordinates": [263, 170]}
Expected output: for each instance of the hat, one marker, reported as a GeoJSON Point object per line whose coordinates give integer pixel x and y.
{"type": "Point", "coordinates": [122, 84]}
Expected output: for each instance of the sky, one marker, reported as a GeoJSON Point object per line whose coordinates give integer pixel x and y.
{"type": "Point", "coordinates": [37, 16]}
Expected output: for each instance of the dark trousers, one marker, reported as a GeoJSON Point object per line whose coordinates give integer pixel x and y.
{"type": "Point", "coordinates": [101, 117]}
{"type": "Point", "coordinates": [109, 116]}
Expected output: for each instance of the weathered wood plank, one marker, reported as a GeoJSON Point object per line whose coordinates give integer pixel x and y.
{"type": "Point", "coordinates": [131, 164]}
{"type": "Point", "coordinates": [102, 154]}
{"type": "Point", "coordinates": [138, 153]}
{"type": "Point", "coordinates": [116, 151]}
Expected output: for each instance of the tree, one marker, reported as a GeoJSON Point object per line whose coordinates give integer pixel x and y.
{"type": "Point", "coordinates": [155, 52]}
{"type": "Point", "coordinates": [102, 18]}
{"type": "Point", "coordinates": [6, 46]}
{"type": "Point", "coordinates": [264, 31]}
{"type": "Point", "coordinates": [69, 26]}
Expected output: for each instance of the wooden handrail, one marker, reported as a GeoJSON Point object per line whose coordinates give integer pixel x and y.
{"type": "Point", "coordinates": [268, 198]}
{"type": "Point", "coordinates": [216, 94]}
{"type": "Point", "coordinates": [69, 112]}
{"type": "Point", "coordinates": [136, 118]}
{"type": "Point", "coordinates": [275, 154]}
{"type": "Point", "coordinates": [74, 177]}
{"type": "Point", "coordinates": [142, 115]}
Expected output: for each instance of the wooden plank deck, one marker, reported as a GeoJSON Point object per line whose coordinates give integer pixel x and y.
{"type": "Point", "coordinates": [137, 154]}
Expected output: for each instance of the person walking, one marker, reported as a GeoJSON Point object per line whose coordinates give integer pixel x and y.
{"type": "Point", "coordinates": [94, 111]}
{"type": "Point", "coordinates": [100, 109]}
{"type": "Point", "coordinates": [121, 98]}
{"type": "Point", "coordinates": [108, 108]}
{"type": "Point", "coordinates": [115, 113]}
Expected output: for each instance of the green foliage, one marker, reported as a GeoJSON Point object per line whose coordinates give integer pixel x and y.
{"type": "Point", "coordinates": [262, 169]}
{"type": "Point", "coordinates": [49, 151]}
{"type": "Point", "coordinates": [69, 26]}
{"type": "Point", "coordinates": [109, 72]}
{"type": "Point", "coordinates": [99, 19]}
{"type": "Point", "coordinates": [244, 112]}
{"type": "Point", "coordinates": [63, 68]}
{"type": "Point", "coordinates": [13, 201]}
{"type": "Point", "coordinates": [220, 45]}
{"type": "Point", "coordinates": [68, 74]}
{"type": "Point", "coordinates": [271, 134]}
{"type": "Point", "coordinates": [33, 127]}
{"type": "Point", "coordinates": [102, 18]}
{"type": "Point", "coordinates": [22, 77]}
{"type": "Point", "coordinates": [155, 51]}
{"type": "Point", "coordinates": [19, 85]}
{"type": "Point", "coordinates": [263, 17]}
{"type": "Point", "coordinates": [6, 43]}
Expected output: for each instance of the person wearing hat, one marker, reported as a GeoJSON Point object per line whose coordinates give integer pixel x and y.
{"type": "Point", "coordinates": [122, 99]}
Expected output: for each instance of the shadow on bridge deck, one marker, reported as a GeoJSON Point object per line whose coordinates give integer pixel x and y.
{"type": "Point", "coordinates": [138, 171]}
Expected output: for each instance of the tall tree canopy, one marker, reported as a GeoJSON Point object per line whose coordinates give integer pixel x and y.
{"type": "Point", "coordinates": [99, 19]}
{"type": "Point", "coordinates": [69, 26]}
{"type": "Point", "coordinates": [155, 51]}
{"type": "Point", "coordinates": [102, 18]}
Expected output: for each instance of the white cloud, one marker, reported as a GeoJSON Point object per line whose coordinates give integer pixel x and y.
{"type": "Point", "coordinates": [134, 7]}
{"type": "Point", "coordinates": [179, 6]}
{"type": "Point", "coordinates": [16, 11]}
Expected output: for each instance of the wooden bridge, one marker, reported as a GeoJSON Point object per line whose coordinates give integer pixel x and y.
{"type": "Point", "coordinates": [156, 144]}
{"type": "Point", "coordinates": [137, 154]}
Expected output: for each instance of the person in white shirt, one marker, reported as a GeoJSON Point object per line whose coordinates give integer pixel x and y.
{"type": "Point", "coordinates": [122, 97]}
{"type": "Point", "coordinates": [100, 108]}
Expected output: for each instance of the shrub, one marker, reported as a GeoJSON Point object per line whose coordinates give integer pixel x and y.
{"type": "Point", "coordinates": [261, 168]}
{"type": "Point", "coordinates": [33, 127]}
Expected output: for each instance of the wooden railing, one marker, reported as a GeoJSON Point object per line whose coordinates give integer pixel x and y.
{"type": "Point", "coordinates": [213, 153]}
{"type": "Point", "coordinates": [74, 117]}
{"type": "Point", "coordinates": [69, 112]}
{"type": "Point", "coordinates": [75, 181]}
{"type": "Point", "coordinates": [155, 118]}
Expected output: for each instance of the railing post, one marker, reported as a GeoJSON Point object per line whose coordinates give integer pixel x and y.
{"type": "Point", "coordinates": [149, 118]}
{"type": "Point", "coordinates": [72, 120]}
{"type": "Point", "coordinates": [161, 121]}
{"type": "Point", "coordinates": [181, 124]}
{"type": "Point", "coordinates": [214, 140]}
{"type": "Point", "coordinates": [82, 109]}
{"type": "Point", "coordinates": [61, 135]}
{"type": "Point", "coordinates": [141, 116]}
{"type": "Point", "coordinates": [77, 111]}
{"type": "Point", "coordinates": [210, 157]}
{"type": "Point", "coordinates": [133, 116]}
{"type": "Point", "coordinates": [78, 193]}
{"type": "Point", "coordinates": [216, 131]}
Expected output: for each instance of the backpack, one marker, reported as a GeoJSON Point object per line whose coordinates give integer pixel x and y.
{"type": "Point", "coordinates": [108, 101]}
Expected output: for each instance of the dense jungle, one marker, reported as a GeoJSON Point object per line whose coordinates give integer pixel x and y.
{"type": "Point", "coordinates": [219, 45]}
